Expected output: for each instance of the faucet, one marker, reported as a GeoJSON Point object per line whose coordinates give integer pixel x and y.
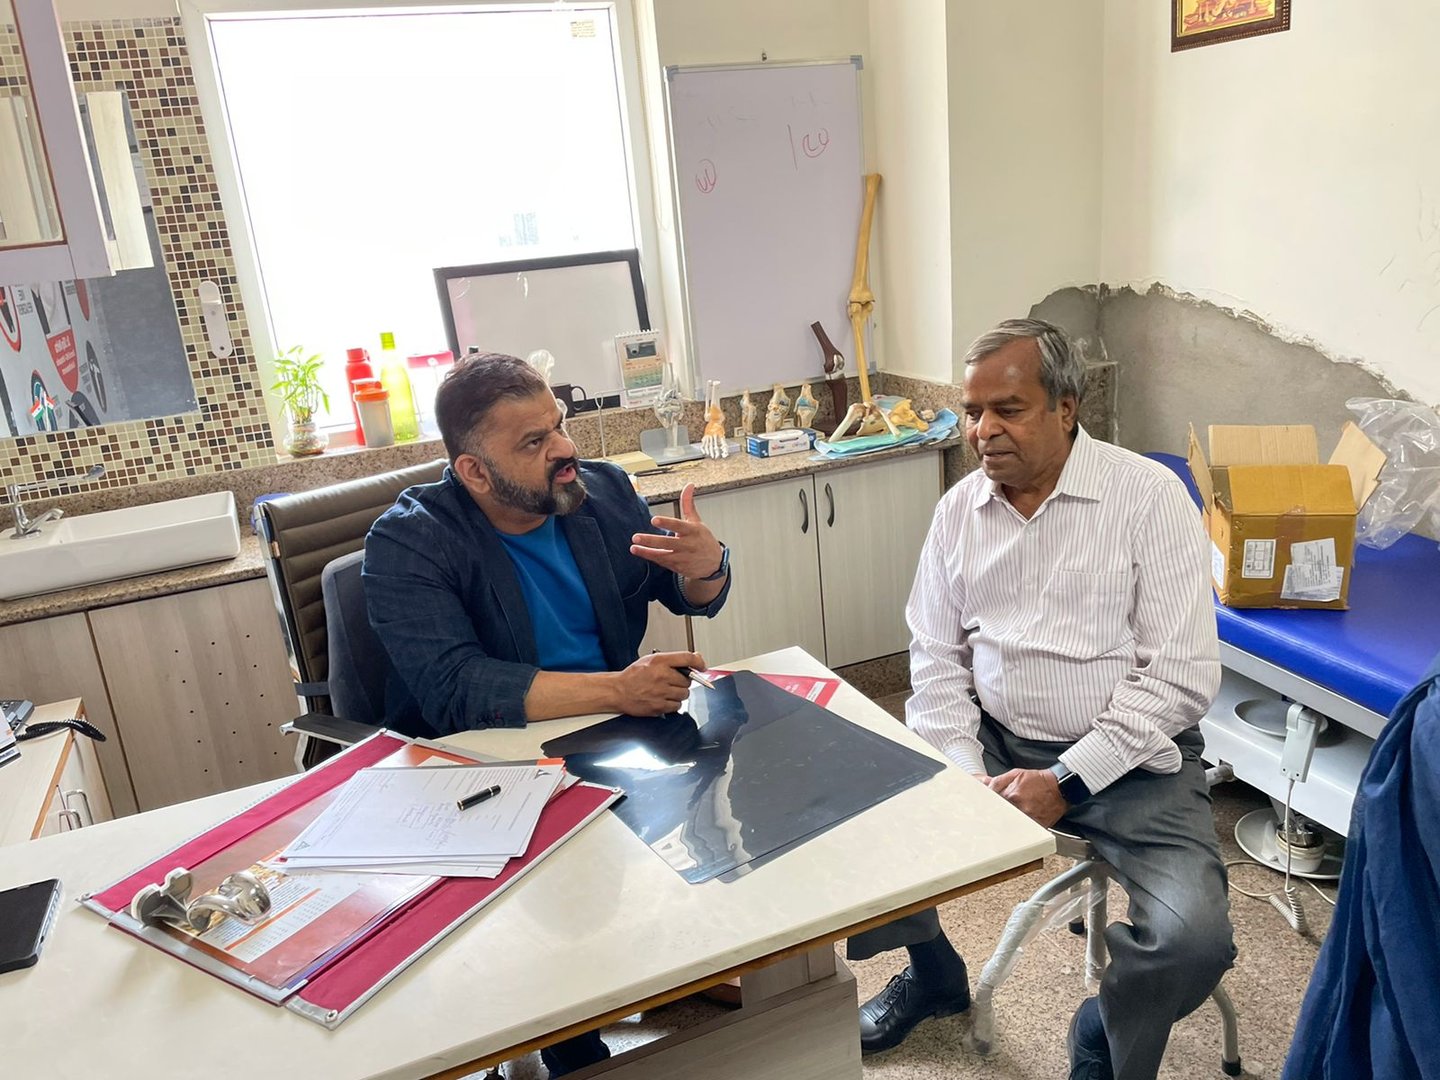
{"type": "Point", "coordinates": [25, 525]}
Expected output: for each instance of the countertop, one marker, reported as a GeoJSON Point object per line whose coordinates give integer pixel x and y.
{"type": "Point", "coordinates": [250, 563]}
{"type": "Point", "coordinates": [725, 474]}
{"type": "Point", "coordinates": [743, 470]}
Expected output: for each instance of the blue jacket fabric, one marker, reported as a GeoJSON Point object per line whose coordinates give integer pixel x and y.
{"type": "Point", "coordinates": [446, 603]}
{"type": "Point", "coordinates": [1373, 1005]}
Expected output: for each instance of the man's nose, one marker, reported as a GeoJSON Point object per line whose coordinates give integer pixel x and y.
{"type": "Point", "coordinates": [562, 447]}
{"type": "Point", "coordinates": [988, 425]}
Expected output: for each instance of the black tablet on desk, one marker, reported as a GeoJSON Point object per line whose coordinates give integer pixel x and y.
{"type": "Point", "coordinates": [26, 914]}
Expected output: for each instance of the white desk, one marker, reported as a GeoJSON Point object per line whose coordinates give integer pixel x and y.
{"type": "Point", "coordinates": [599, 931]}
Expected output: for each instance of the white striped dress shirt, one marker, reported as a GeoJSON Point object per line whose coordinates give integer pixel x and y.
{"type": "Point", "coordinates": [1090, 623]}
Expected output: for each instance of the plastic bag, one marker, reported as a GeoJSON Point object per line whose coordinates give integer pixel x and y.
{"type": "Point", "coordinates": [1409, 487]}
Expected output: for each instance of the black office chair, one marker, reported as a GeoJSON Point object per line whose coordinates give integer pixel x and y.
{"type": "Point", "coordinates": [357, 667]}
{"type": "Point", "coordinates": [304, 535]}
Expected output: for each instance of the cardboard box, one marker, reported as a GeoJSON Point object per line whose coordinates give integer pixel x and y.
{"type": "Point", "coordinates": [784, 441]}
{"type": "Point", "coordinates": [1282, 525]}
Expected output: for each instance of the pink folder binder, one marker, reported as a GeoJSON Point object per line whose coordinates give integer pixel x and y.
{"type": "Point", "coordinates": [349, 979]}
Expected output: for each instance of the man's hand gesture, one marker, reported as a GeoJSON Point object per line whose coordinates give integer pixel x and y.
{"type": "Point", "coordinates": [691, 551]}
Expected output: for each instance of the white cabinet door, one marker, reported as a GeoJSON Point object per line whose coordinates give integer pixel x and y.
{"type": "Point", "coordinates": [775, 599]}
{"type": "Point", "coordinates": [666, 631]}
{"type": "Point", "coordinates": [82, 788]}
{"type": "Point", "coordinates": [873, 520]}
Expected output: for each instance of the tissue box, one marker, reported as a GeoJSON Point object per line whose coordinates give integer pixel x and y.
{"type": "Point", "coordinates": [784, 441]}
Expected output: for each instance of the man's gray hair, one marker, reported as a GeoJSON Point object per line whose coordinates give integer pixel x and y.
{"type": "Point", "coordinates": [1062, 368]}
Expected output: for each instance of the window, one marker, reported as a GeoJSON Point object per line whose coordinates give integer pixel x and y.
{"type": "Point", "coordinates": [375, 147]}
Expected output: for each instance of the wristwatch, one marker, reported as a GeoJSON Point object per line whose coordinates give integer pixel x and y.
{"type": "Point", "coordinates": [1072, 787]}
{"type": "Point", "coordinates": [724, 565]}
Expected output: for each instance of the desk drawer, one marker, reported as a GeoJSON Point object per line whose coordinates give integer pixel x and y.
{"type": "Point", "coordinates": [69, 807]}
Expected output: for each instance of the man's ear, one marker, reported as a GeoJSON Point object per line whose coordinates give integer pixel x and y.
{"type": "Point", "coordinates": [1069, 413]}
{"type": "Point", "coordinates": [473, 473]}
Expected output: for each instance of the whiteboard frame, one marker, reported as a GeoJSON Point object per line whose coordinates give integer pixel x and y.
{"type": "Point", "coordinates": [628, 258]}
{"type": "Point", "coordinates": [692, 356]}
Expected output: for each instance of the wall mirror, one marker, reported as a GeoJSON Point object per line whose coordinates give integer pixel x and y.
{"type": "Point", "coordinates": [81, 353]}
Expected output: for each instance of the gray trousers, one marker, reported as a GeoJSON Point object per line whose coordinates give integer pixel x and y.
{"type": "Point", "coordinates": [1158, 834]}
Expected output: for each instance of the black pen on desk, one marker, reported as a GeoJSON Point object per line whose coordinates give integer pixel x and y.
{"type": "Point", "coordinates": [479, 797]}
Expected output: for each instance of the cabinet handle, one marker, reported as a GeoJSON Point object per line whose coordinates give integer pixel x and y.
{"type": "Point", "coordinates": [830, 495]}
{"type": "Point", "coordinates": [80, 793]}
{"type": "Point", "coordinates": [68, 815]}
{"type": "Point", "coordinates": [805, 506]}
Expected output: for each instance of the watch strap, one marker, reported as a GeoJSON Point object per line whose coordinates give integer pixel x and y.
{"type": "Point", "coordinates": [724, 567]}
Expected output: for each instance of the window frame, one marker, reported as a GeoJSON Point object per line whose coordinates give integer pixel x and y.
{"type": "Point", "coordinates": [196, 17]}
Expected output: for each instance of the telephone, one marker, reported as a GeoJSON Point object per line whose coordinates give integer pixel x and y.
{"type": "Point", "coordinates": [17, 713]}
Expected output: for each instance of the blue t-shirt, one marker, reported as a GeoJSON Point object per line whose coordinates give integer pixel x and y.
{"type": "Point", "coordinates": [566, 631]}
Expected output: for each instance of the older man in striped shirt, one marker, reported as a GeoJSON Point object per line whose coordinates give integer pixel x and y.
{"type": "Point", "coordinates": [1063, 654]}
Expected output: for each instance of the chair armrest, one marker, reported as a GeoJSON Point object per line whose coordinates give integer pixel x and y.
{"type": "Point", "coordinates": [330, 728]}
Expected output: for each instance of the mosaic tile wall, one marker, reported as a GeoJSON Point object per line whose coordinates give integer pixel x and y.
{"type": "Point", "coordinates": [149, 61]}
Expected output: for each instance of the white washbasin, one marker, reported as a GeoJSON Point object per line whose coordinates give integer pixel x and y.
{"type": "Point", "coordinates": [119, 544]}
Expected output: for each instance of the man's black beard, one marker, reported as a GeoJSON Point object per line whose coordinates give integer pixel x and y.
{"type": "Point", "coordinates": [561, 500]}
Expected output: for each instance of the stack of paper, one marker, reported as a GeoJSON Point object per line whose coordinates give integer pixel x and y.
{"type": "Point", "coordinates": [408, 821]}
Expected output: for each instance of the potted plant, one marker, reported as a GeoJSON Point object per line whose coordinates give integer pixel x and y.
{"type": "Point", "coordinates": [297, 384]}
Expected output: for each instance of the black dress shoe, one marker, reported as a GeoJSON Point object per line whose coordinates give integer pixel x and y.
{"type": "Point", "coordinates": [892, 1014]}
{"type": "Point", "coordinates": [1089, 1048]}
{"type": "Point", "coordinates": [571, 1055]}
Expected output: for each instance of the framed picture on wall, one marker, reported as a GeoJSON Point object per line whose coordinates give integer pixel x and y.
{"type": "Point", "coordinates": [1207, 22]}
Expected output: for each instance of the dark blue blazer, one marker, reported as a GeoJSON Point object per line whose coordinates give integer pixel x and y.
{"type": "Point", "coordinates": [444, 598]}
{"type": "Point", "coordinates": [1373, 1006]}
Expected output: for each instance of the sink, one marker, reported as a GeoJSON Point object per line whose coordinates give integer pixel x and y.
{"type": "Point", "coordinates": [119, 544]}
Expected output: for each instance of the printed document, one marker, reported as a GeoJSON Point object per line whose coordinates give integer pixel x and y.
{"type": "Point", "coordinates": [394, 815]}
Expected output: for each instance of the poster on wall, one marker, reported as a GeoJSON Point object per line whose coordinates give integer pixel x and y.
{"type": "Point", "coordinates": [53, 356]}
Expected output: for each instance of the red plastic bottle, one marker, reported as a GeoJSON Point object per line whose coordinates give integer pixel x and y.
{"type": "Point", "coordinates": [357, 366]}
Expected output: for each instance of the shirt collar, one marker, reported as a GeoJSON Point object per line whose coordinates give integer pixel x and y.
{"type": "Point", "coordinates": [1083, 476]}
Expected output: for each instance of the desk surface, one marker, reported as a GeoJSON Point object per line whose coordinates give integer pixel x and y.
{"type": "Point", "coordinates": [1371, 654]}
{"type": "Point", "coordinates": [602, 925]}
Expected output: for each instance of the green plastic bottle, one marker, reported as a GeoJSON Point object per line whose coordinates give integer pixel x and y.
{"type": "Point", "coordinates": [395, 377]}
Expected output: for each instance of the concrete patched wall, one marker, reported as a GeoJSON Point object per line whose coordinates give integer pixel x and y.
{"type": "Point", "coordinates": [1178, 360]}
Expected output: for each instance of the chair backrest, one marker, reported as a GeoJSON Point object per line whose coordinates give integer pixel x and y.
{"type": "Point", "coordinates": [304, 533]}
{"type": "Point", "coordinates": [358, 662]}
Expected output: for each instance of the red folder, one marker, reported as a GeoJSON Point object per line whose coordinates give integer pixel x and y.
{"type": "Point", "coordinates": [351, 978]}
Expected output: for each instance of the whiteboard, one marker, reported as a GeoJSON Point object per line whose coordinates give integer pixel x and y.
{"type": "Point", "coordinates": [768, 169]}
